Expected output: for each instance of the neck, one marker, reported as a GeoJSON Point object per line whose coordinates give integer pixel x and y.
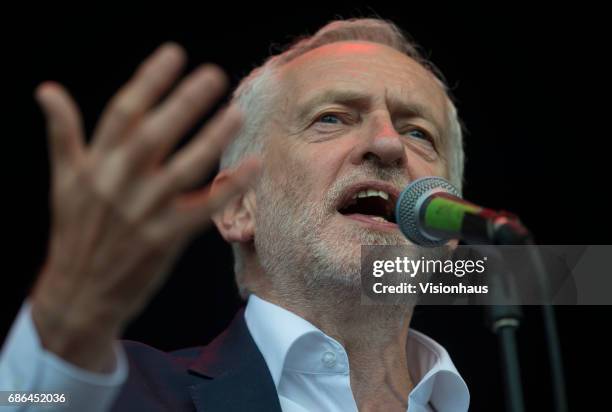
{"type": "Point", "coordinates": [374, 337]}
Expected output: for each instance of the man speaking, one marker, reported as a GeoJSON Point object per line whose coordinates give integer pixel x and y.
{"type": "Point", "coordinates": [325, 136]}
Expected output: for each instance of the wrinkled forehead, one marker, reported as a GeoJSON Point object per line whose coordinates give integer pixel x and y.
{"type": "Point", "coordinates": [362, 67]}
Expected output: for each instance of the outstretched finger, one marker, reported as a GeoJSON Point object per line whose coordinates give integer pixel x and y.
{"type": "Point", "coordinates": [166, 124]}
{"type": "Point", "coordinates": [190, 165]}
{"type": "Point", "coordinates": [64, 125]}
{"type": "Point", "coordinates": [152, 79]}
{"type": "Point", "coordinates": [194, 210]}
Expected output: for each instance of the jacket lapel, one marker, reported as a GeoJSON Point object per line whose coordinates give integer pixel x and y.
{"type": "Point", "coordinates": [233, 374]}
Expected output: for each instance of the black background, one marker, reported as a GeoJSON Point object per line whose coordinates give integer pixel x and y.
{"type": "Point", "coordinates": [529, 86]}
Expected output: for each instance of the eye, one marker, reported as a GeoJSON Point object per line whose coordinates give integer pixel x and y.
{"type": "Point", "coordinates": [419, 134]}
{"type": "Point", "coordinates": [329, 118]}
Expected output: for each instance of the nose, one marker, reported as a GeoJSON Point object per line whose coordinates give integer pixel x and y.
{"type": "Point", "coordinates": [381, 144]}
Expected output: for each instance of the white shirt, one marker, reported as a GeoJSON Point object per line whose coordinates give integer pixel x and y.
{"type": "Point", "coordinates": [310, 369]}
{"type": "Point", "coordinates": [26, 366]}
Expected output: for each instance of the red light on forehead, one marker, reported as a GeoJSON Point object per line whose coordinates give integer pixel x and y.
{"type": "Point", "coordinates": [362, 47]}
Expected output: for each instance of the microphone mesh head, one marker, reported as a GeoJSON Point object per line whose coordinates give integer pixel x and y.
{"type": "Point", "coordinates": [408, 206]}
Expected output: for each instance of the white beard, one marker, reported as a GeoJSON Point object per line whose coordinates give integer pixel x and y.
{"type": "Point", "coordinates": [308, 248]}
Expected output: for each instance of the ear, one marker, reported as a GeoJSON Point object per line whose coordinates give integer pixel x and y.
{"type": "Point", "coordinates": [236, 221]}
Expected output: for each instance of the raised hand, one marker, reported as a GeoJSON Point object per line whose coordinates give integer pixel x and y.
{"type": "Point", "coordinates": [121, 209]}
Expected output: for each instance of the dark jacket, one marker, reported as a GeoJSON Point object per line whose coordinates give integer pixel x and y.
{"type": "Point", "coordinates": [229, 374]}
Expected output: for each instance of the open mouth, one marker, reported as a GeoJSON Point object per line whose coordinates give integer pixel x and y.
{"type": "Point", "coordinates": [372, 204]}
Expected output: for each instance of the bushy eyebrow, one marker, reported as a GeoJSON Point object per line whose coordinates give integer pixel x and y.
{"type": "Point", "coordinates": [412, 109]}
{"type": "Point", "coordinates": [359, 99]}
{"type": "Point", "coordinates": [344, 97]}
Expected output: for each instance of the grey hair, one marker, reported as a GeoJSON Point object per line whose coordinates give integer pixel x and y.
{"type": "Point", "coordinates": [257, 91]}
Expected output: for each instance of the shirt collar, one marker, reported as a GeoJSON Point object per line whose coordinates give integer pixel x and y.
{"type": "Point", "coordinates": [437, 380]}
{"type": "Point", "coordinates": [279, 333]}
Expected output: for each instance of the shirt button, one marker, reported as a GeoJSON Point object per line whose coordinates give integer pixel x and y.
{"type": "Point", "coordinates": [329, 359]}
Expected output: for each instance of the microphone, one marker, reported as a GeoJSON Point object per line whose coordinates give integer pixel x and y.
{"type": "Point", "coordinates": [430, 212]}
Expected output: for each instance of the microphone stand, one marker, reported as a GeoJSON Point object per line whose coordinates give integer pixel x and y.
{"type": "Point", "coordinates": [503, 318]}
{"type": "Point", "coordinates": [550, 331]}
{"type": "Point", "coordinates": [430, 212]}
{"type": "Point", "coordinates": [504, 321]}
{"type": "Point", "coordinates": [509, 231]}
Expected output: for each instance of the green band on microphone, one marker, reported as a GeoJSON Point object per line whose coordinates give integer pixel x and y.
{"type": "Point", "coordinates": [446, 215]}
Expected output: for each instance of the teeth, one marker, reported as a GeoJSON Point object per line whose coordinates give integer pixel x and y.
{"type": "Point", "coordinates": [379, 219]}
{"type": "Point", "coordinates": [370, 193]}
